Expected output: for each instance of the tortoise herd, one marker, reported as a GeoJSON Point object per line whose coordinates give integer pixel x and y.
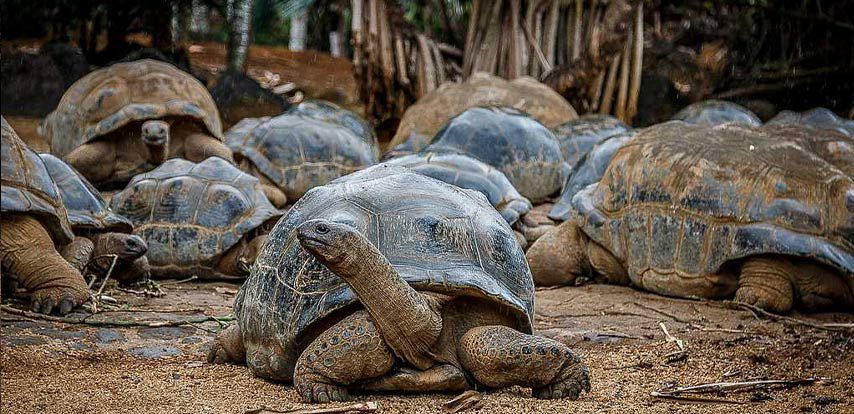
{"type": "Point", "coordinates": [414, 270]}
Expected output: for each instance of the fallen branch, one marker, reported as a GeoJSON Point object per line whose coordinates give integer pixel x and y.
{"type": "Point", "coordinates": [732, 387]}
{"type": "Point", "coordinates": [468, 400]}
{"type": "Point", "coordinates": [661, 312]}
{"type": "Point", "coordinates": [113, 322]}
{"type": "Point", "coordinates": [759, 311]}
{"type": "Point", "coordinates": [680, 353]}
{"type": "Point", "coordinates": [365, 407]}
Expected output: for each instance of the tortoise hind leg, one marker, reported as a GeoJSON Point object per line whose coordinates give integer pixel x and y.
{"type": "Point", "coordinates": [350, 351]}
{"type": "Point", "coordinates": [766, 282]}
{"type": "Point", "coordinates": [819, 288]}
{"type": "Point", "coordinates": [499, 356]}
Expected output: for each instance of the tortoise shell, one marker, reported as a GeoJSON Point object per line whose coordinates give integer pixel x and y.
{"type": "Point", "coordinates": [816, 118]}
{"type": "Point", "coordinates": [466, 172]}
{"type": "Point", "coordinates": [28, 188]}
{"type": "Point", "coordinates": [108, 99]}
{"type": "Point", "coordinates": [512, 142]}
{"type": "Point", "coordinates": [329, 112]}
{"type": "Point", "coordinates": [588, 170]}
{"type": "Point", "coordinates": [298, 152]}
{"type": "Point", "coordinates": [427, 116]}
{"type": "Point", "coordinates": [439, 238]}
{"type": "Point", "coordinates": [688, 199]}
{"type": "Point", "coordinates": [715, 112]}
{"type": "Point", "coordinates": [190, 214]}
{"type": "Point", "coordinates": [87, 210]}
{"type": "Point", "coordinates": [579, 136]}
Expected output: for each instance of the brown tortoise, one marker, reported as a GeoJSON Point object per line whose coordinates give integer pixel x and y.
{"type": "Point", "coordinates": [388, 280]}
{"type": "Point", "coordinates": [696, 211]}
{"type": "Point", "coordinates": [129, 117]}
{"type": "Point", "coordinates": [34, 223]}
{"type": "Point", "coordinates": [427, 116]}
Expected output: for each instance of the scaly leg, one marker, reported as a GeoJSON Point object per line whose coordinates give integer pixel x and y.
{"type": "Point", "coordinates": [766, 282]}
{"type": "Point", "coordinates": [350, 351]}
{"type": "Point", "coordinates": [499, 356]}
{"type": "Point", "coordinates": [28, 251]}
{"type": "Point", "coordinates": [198, 147]}
{"type": "Point", "coordinates": [228, 347]}
{"type": "Point", "coordinates": [95, 160]}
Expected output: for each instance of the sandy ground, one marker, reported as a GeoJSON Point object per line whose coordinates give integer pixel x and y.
{"type": "Point", "coordinates": [64, 368]}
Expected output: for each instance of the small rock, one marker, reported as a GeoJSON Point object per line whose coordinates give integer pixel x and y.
{"type": "Point", "coordinates": [155, 351]}
{"type": "Point", "coordinates": [79, 346]}
{"type": "Point", "coordinates": [166, 332]}
{"type": "Point", "coordinates": [105, 336]}
{"type": "Point", "coordinates": [23, 340]}
{"type": "Point", "coordinates": [191, 340]}
{"type": "Point", "coordinates": [59, 334]}
{"type": "Point", "coordinates": [825, 400]}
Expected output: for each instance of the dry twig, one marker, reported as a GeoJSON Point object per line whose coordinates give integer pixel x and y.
{"type": "Point", "coordinates": [114, 322]}
{"type": "Point", "coordinates": [468, 400]}
{"type": "Point", "coordinates": [676, 393]}
{"type": "Point", "coordinates": [362, 407]}
{"type": "Point", "coordinates": [759, 311]}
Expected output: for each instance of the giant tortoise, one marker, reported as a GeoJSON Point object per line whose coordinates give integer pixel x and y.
{"type": "Point", "coordinates": [34, 223]}
{"type": "Point", "coordinates": [388, 280]}
{"type": "Point", "coordinates": [106, 234]}
{"type": "Point", "coordinates": [305, 147]}
{"type": "Point", "coordinates": [588, 170]}
{"type": "Point", "coordinates": [467, 172]}
{"type": "Point", "coordinates": [207, 219]}
{"type": "Point", "coordinates": [578, 136]}
{"type": "Point", "coordinates": [426, 117]}
{"type": "Point", "coordinates": [127, 118]}
{"type": "Point", "coordinates": [510, 141]}
{"type": "Point", "coordinates": [714, 112]}
{"type": "Point", "coordinates": [696, 211]}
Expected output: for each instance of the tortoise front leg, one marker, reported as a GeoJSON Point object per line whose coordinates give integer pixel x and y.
{"type": "Point", "coordinates": [28, 251]}
{"type": "Point", "coordinates": [95, 160]}
{"type": "Point", "coordinates": [350, 351]}
{"type": "Point", "coordinates": [198, 147]}
{"type": "Point", "coordinates": [78, 253]}
{"type": "Point", "coordinates": [228, 347]}
{"type": "Point", "coordinates": [499, 356]}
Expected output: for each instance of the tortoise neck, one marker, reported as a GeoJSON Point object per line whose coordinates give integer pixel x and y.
{"type": "Point", "coordinates": [408, 321]}
{"type": "Point", "coordinates": [157, 154]}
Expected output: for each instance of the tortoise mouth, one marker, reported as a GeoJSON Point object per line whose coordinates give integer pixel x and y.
{"type": "Point", "coordinates": [310, 242]}
{"type": "Point", "coordinates": [154, 140]}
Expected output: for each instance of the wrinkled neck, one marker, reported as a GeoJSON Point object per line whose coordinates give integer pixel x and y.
{"type": "Point", "coordinates": [409, 321]}
{"type": "Point", "coordinates": [157, 154]}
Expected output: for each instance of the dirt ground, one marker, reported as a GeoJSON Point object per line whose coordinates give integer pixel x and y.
{"type": "Point", "coordinates": [70, 368]}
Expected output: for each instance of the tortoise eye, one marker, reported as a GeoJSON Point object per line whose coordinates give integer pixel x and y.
{"type": "Point", "coordinates": [322, 228]}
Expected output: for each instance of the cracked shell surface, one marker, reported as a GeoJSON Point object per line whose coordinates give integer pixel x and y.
{"type": "Point", "coordinates": [109, 98]}
{"type": "Point", "coordinates": [438, 237]}
{"type": "Point", "coordinates": [190, 214]}
{"type": "Point", "coordinates": [687, 199]}
{"type": "Point", "coordinates": [28, 187]}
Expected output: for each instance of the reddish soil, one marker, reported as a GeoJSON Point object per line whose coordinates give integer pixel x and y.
{"type": "Point", "coordinates": [54, 367]}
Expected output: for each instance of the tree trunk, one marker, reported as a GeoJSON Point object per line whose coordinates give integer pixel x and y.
{"type": "Point", "coordinates": [240, 18]}
{"type": "Point", "coordinates": [299, 27]}
{"type": "Point", "coordinates": [199, 23]}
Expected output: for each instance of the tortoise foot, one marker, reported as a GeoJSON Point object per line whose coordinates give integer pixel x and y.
{"type": "Point", "coordinates": [323, 393]}
{"type": "Point", "coordinates": [577, 380]}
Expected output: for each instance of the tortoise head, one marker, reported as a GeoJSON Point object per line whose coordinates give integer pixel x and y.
{"type": "Point", "coordinates": [155, 133]}
{"type": "Point", "coordinates": [329, 241]}
{"type": "Point", "coordinates": [126, 246]}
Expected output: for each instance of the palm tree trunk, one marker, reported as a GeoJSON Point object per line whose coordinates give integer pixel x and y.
{"type": "Point", "coordinates": [240, 20]}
